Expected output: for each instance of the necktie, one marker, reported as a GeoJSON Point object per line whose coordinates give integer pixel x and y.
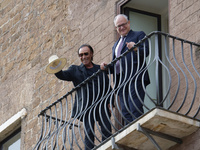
{"type": "Point", "coordinates": [118, 54]}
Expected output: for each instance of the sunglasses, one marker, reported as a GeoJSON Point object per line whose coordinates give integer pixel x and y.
{"type": "Point", "coordinates": [81, 54]}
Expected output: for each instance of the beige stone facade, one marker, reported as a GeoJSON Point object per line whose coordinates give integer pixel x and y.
{"type": "Point", "coordinates": [184, 22]}
{"type": "Point", "coordinates": [33, 30]}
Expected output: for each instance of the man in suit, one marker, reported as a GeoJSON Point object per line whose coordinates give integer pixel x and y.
{"type": "Point", "coordinates": [88, 98]}
{"type": "Point", "coordinates": [130, 69]}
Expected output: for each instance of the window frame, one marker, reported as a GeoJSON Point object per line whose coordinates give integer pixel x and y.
{"type": "Point", "coordinates": [10, 137]}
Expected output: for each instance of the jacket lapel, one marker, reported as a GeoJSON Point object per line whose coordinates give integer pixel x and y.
{"type": "Point", "coordinates": [83, 70]}
{"type": "Point", "coordinates": [114, 47]}
{"type": "Point", "coordinates": [128, 37]}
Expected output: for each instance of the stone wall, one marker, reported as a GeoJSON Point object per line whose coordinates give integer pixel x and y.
{"type": "Point", "coordinates": [184, 22]}
{"type": "Point", "coordinates": [184, 19]}
{"type": "Point", "coordinates": [33, 30]}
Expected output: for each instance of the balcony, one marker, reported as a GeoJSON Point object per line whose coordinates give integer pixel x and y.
{"type": "Point", "coordinates": [171, 103]}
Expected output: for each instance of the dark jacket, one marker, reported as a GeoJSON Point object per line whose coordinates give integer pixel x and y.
{"type": "Point", "coordinates": [134, 36]}
{"type": "Point", "coordinates": [77, 74]}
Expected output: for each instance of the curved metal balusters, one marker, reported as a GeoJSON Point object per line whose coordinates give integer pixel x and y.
{"type": "Point", "coordinates": [61, 130]}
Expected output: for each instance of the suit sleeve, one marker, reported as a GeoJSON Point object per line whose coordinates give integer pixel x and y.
{"type": "Point", "coordinates": [66, 75]}
{"type": "Point", "coordinates": [143, 48]}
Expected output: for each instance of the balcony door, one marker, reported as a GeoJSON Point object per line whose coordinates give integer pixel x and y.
{"type": "Point", "coordinates": [141, 20]}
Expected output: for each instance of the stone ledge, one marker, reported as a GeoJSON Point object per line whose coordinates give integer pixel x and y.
{"type": "Point", "coordinates": [157, 120]}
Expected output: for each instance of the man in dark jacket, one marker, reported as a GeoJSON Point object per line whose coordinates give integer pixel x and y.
{"type": "Point", "coordinates": [91, 96]}
{"type": "Point", "coordinates": [129, 71]}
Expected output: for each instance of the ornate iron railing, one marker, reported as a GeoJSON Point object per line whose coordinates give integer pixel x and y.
{"type": "Point", "coordinates": [173, 65]}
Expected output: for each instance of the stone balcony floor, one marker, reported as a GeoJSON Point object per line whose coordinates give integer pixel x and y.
{"type": "Point", "coordinates": [158, 121]}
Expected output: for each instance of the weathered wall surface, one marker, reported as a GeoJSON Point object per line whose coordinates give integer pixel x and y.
{"type": "Point", "coordinates": [184, 22]}
{"type": "Point", "coordinates": [33, 30]}
{"type": "Point", "coordinates": [184, 19]}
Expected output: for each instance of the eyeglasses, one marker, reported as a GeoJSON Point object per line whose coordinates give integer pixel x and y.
{"type": "Point", "coordinates": [81, 54]}
{"type": "Point", "coordinates": [121, 25]}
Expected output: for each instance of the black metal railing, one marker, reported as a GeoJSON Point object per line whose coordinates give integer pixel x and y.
{"type": "Point", "coordinates": [173, 65]}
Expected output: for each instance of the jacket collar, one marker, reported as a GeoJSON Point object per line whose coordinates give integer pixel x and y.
{"type": "Point", "coordinates": [82, 68]}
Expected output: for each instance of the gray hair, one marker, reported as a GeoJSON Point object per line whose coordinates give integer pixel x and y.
{"type": "Point", "coordinates": [119, 16]}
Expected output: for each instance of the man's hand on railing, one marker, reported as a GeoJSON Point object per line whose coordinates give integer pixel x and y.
{"type": "Point", "coordinates": [131, 45]}
{"type": "Point", "coordinates": [103, 66]}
